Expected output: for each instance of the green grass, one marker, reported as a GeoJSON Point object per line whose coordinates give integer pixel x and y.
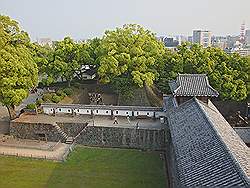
{"type": "Point", "coordinates": [88, 168]}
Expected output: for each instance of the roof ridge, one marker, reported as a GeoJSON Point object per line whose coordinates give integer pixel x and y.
{"type": "Point", "coordinates": [236, 164]}
{"type": "Point", "coordinates": [209, 86]}
{"type": "Point", "coordinates": [187, 74]}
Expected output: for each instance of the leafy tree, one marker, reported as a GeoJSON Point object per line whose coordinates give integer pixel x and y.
{"type": "Point", "coordinates": [228, 73]}
{"type": "Point", "coordinates": [18, 71]}
{"type": "Point", "coordinates": [65, 57]}
{"type": "Point", "coordinates": [129, 52]}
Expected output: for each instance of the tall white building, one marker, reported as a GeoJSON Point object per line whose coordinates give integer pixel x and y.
{"type": "Point", "coordinates": [248, 37]}
{"type": "Point", "coordinates": [202, 37]}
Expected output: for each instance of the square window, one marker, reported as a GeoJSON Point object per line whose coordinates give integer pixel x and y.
{"type": "Point", "coordinates": [107, 112]}
{"type": "Point", "coordinates": [126, 112]}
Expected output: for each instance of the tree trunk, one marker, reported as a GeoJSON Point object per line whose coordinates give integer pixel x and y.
{"type": "Point", "coordinates": [12, 111]}
{"type": "Point", "coordinates": [69, 83]}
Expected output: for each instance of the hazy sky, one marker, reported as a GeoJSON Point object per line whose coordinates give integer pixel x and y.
{"type": "Point", "coordinates": [83, 19]}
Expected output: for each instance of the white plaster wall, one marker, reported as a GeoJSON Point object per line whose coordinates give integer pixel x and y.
{"type": "Point", "coordinates": [64, 110]}
{"type": "Point", "coordinates": [48, 110]}
{"type": "Point", "coordinates": [160, 114]}
{"type": "Point", "coordinates": [83, 111]}
{"type": "Point", "coordinates": [144, 113]}
{"type": "Point", "coordinates": [122, 113]}
{"type": "Point", "coordinates": [102, 112]}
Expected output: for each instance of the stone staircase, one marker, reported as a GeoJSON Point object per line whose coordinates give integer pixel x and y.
{"type": "Point", "coordinates": [65, 137]}
{"type": "Point", "coordinates": [62, 133]}
{"type": "Point", "coordinates": [69, 140]}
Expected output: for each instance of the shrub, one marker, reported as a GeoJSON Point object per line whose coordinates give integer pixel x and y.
{"type": "Point", "coordinates": [47, 97]}
{"type": "Point", "coordinates": [68, 91]}
{"type": "Point", "coordinates": [31, 106]}
{"type": "Point", "coordinates": [39, 102]}
{"type": "Point", "coordinates": [56, 99]}
{"type": "Point", "coordinates": [60, 93]}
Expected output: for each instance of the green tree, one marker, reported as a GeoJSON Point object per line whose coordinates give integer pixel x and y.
{"type": "Point", "coordinates": [129, 52]}
{"type": "Point", "coordinates": [228, 73]}
{"type": "Point", "coordinates": [64, 62]}
{"type": "Point", "coordinates": [18, 71]}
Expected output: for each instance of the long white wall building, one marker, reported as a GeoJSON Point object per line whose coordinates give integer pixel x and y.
{"type": "Point", "coordinates": [103, 110]}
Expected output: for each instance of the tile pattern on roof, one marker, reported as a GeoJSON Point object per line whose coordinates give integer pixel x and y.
{"type": "Point", "coordinates": [229, 136]}
{"type": "Point", "coordinates": [108, 107]}
{"type": "Point", "coordinates": [202, 158]}
{"type": "Point", "coordinates": [192, 85]}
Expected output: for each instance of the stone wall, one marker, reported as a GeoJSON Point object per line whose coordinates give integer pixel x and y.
{"type": "Point", "coordinates": [93, 135]}
{"type": "Point", "coordinates": [34, 131]}
{"type": "Point", "coordinates": [72, 129]}
{"type": "Point", "coordinates": [122, 138]}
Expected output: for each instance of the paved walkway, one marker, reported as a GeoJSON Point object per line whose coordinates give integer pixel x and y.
{"type": "Point", "coordinates": [104, 121]}
{"type": "Point", "coordinates": [33, 148]}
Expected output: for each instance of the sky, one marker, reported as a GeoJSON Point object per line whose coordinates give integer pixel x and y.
{"type": "Point", "coordinates": [83, 19]}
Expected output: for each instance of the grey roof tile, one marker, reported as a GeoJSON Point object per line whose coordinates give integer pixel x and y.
{"type": "Point", "coordinates": [205, 147]}
{"type": "Point", "coordinates": [192, 85]}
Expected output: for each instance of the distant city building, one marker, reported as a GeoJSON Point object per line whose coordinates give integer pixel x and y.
{"type": "Point", "coordinates": [242, 51]}
{"type": "Point", "coordinates": [190, 38]}
{"type": "Point", "coordinates": [170, 42]}
{"type": "Point", "coordinates": [202, 37]}
{"type": "Point", "coordinates": [242, 33]}
{"type": "Point", "coordinates": [232, 41]}
{"type": "Point", "coordinates": [248, 37]}
{"type": "Point", "coordinates": [44, 41]}
{"type": "Point", "coordinates": [219, 42]}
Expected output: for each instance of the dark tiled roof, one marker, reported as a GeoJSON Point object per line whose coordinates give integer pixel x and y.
{"type": "Point", "coordinates": [90, 72]}
{"type": "Point", "coordinates": [192, 85]}
{"type": "Point", "coordinates": [105, 107]}
{"type": "Point", "coordinates": [167, 102]}
{"type": "Point", "coordinates": [208, 152]}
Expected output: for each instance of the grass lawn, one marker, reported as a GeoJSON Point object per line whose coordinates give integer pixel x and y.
{"type": "Point", "coordinates": [88, 168]}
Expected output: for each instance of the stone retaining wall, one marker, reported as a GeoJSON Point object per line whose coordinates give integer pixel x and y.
{"type": "Point", "coordinates": [34, 131]}
{"type": "Point", "coordinates": [122, 138]}
{"type": "Point", "coordinates": [93, 135]}
{"type": "Point", "coordinates": [72, 129]}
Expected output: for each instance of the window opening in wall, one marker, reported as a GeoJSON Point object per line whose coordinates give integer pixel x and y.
{"type": "Point", "coordinates": [107, 112]}
{"type": "Point", "coordinates": [87, 111]}
{"type": "Point", "coordinates": [126, 112]}
{"type": "Point", "coordinates": [59, 109]}
{"type": "Point", "coordinates": [68, 110]}
{"type": "Point", "coordinates": [137, 113]}
{"type": "Point", "coordinates": [97, 111]}
{"type": "Point", "coordinates": [147, 113]}
{"type": "Point", "coordinates": [78, 110]}
{"type": "Point", "coordinates": [116, 112]}
{"type": "Point", "coordinates": [51, 109]}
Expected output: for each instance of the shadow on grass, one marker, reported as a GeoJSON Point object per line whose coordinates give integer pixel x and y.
{"type": "Point", "coordinates": [109, 168]}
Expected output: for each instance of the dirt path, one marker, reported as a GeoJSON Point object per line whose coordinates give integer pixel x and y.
{"type": "Point", "coordinates": [57, 154]}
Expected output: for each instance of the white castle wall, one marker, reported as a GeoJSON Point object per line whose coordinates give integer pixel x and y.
{"type": "Point", "coordinates": [102, 110]}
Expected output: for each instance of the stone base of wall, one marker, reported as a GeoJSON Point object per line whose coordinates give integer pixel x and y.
{"type": "Point", "coordinates": [123, 138]}
{"type": "Point", "coordinates": [93, 135]}
{"type": "Point", "coordinates": [34, 131]}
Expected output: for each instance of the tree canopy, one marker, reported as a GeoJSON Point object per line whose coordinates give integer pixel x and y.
{"type": "Point", "coordinates": [131, 52]}
{"type": "Point", "coordinates": [228, 73]}
{"type": "Point", "coordinates": [18, 71]}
